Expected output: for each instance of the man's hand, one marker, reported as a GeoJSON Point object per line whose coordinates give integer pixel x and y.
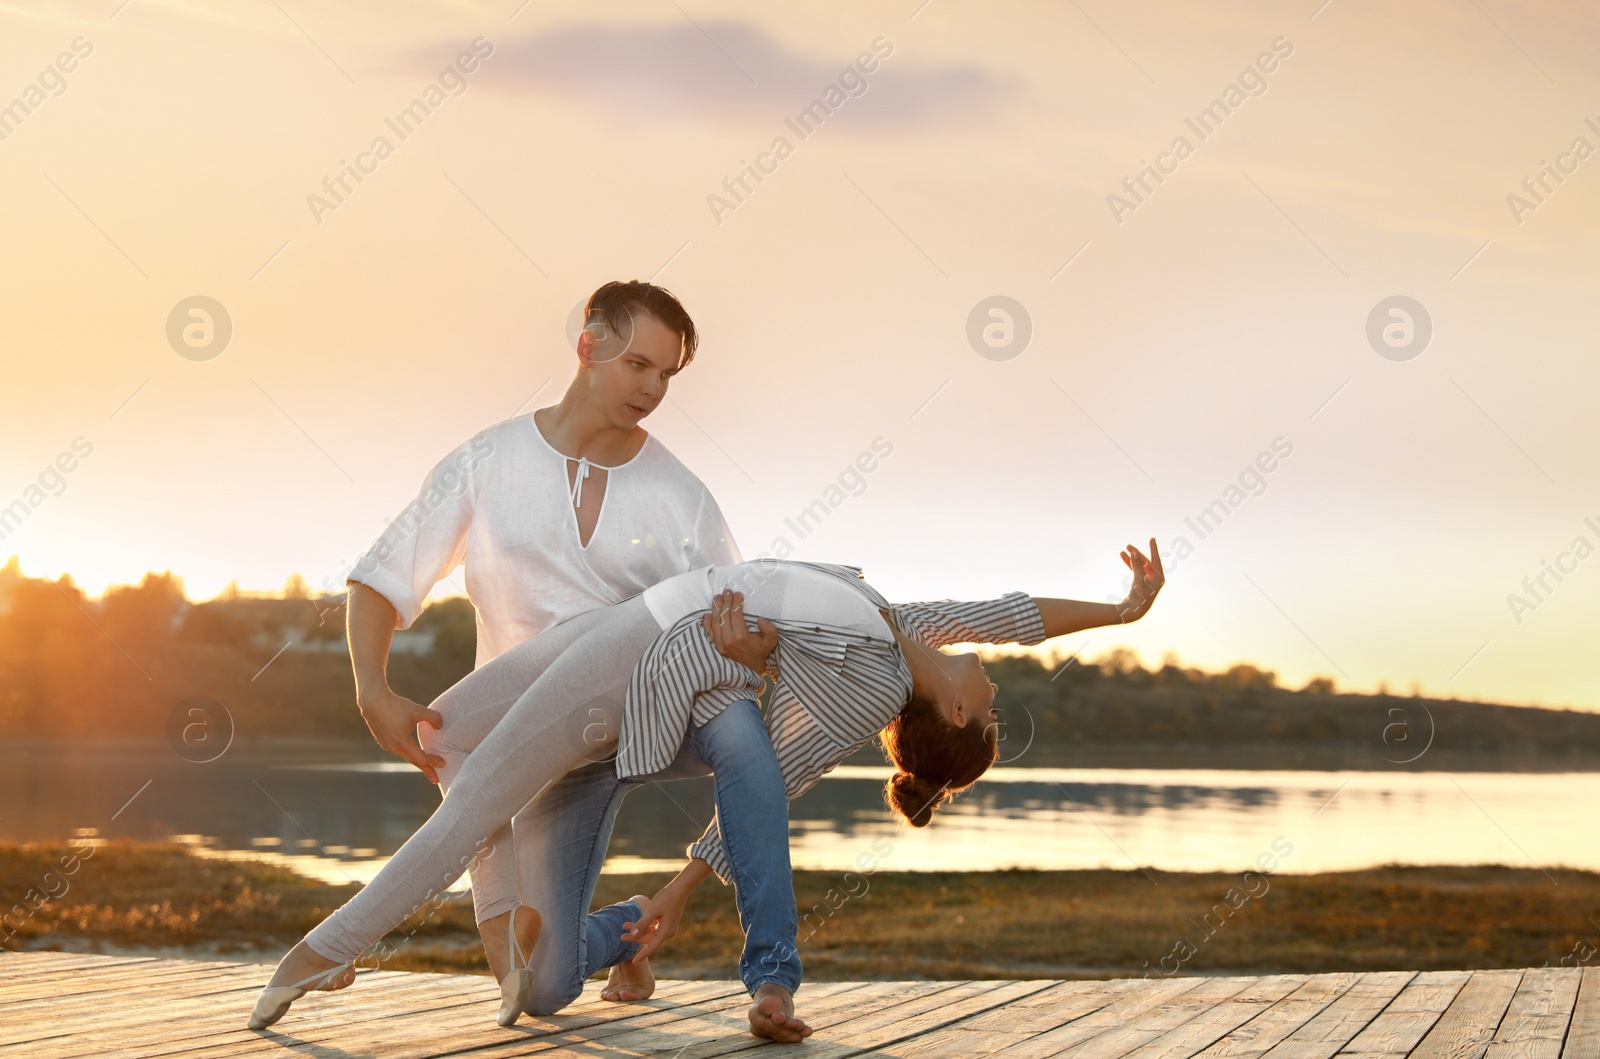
{"type": "Point", "coordinates": [733, 638]}
{"type": "Point", "coordinates": [1148, 578]}
{"type": "Point", "coordinates": [393, 720]}
{"type": "Point", "coordinates": [659, 922]}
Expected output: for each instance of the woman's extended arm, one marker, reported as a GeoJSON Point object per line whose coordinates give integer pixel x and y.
{"type": "Point", "coordinates": [1063, 616]}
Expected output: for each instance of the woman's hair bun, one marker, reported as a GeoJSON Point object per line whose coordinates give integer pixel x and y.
{"type": "Point", "coordinates": [913, 797]}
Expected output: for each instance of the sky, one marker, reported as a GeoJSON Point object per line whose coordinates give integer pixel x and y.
{"type": "Point", "coordinates": [1194, 312]}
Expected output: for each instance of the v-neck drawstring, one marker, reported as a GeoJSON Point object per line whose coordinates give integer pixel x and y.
{"type": "Point", "coordinates": [577, 480]}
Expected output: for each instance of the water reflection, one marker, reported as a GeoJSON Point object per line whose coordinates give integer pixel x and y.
{"type": "Point", "coordinates": [339, 819]}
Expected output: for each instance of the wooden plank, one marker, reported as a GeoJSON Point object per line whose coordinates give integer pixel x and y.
{"type": "Point", "coordinates": [375, 1027]}
{"type": "Point", "coordinates": [826, 1015]}
{"type": "Point", "coordinates": [604, 1023]}
{"type": "Point", "coordinates": [71, 1006]}
{"type": "Point", "coordinates": [1536, 1022]}
{"type": "Point", "coordinates": [1211, 1024]}
{"type": "Point", "coordinates": [877, 1008]}
{"type": "Point", "coordinates": [1467, 1026]}
{"type": "Point", "coordinates": [1341, 1020]}
{"type": "Point", "coordinates": [1255, 1037]}
{"type": "Point", "coordinates": [50, 971]}
{"type": "Point", "coordinates": [872, 1034]}
{"type": "Point", "coordinates": [1152, 1023]}
{"type": "Point", "coordinates": [726, 1025]}
{"type": "Point", "coordinates": [91, 981]}
{"type": "Point", "coordinates": [868, 1004]}
{"type": "Point", "coordinates": [222, 1013]}
{"type": "Point", "coordinates": [41, 1018]}
{"type": "Point", "coordinates": [1007, 1029]}
{"type": "Point", "coordinates": [1583, 1036]}
{"type": "Point", "coordinates": [1018, 1029]}
{"type": "Point", "coordinates": [61, 977]}
{"type": "Point", "coordinates": [1129, 1005]}
{"type": "Point", "coordinates": [1408, 1017]}
{"type": "Point", "coordinates": [158, 1017]}
{"type": "Point", "coordinates": [620, 1032]}
{"type": "Point", "coordinates": [23, 963]}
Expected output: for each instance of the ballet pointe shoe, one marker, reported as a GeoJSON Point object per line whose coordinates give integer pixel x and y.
{"type": "Point", "coordinates": [517, 986]}
{"type": "Point", "coordinates": [274, 1001]}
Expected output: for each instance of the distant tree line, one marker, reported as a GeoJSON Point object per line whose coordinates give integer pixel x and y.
{"type": "Point", "coordinates": [1117, 713]}
{"type": "Point", "coordinates": [73, 667]}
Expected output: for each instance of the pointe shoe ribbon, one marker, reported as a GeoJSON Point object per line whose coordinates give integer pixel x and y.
{"type": "Point", "coordinates": [517, 986]}
{"type": "Point", "coordinates": [274, 1001]}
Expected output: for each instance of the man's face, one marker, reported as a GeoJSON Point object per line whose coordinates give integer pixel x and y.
{"type": "Point", "coordinates": [628, 369]}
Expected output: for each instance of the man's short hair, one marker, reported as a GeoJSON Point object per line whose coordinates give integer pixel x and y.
{"type": "Point", "coordinates": [614, 303]}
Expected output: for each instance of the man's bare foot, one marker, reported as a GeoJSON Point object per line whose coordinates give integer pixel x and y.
{"type": "Point", "coordinates": [496, 947]}
{"type": "Point", "coordinates": [302, 962]}
{"type": "Point", "coordinates": [772, 1015]}
{"type": "Point", "coordinates": [630, 981]}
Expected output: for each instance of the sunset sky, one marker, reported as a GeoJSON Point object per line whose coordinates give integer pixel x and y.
{"type": "Point", "coordinates": [165, 150]}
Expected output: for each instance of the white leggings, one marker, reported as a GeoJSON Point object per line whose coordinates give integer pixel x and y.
{"type": "Point", "coordinates": [511, 729]}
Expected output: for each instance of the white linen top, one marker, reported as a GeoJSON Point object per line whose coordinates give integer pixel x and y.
{"type": "Point", "coordinates": [500, 505]}
{"type": "Point", "coordinates": [771, 590]}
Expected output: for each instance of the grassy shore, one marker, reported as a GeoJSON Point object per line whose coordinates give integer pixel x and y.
{"type": "Point", "coordinates": [146, 897]}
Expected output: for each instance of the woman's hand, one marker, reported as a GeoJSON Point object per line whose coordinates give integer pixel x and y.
{"type": "Point", "coordinates": [732, 638]}
{"type": "Point", "coordinates": [659, 922]}
{"type": "Point", "coordinates": [1148, 578]}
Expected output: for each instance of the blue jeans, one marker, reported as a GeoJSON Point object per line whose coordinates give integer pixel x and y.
{"type": "Point", "coordinates": [753, 814]}
{"type": "Point", "coordinates": [565, 831]}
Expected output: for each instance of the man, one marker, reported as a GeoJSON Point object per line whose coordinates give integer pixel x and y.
{"type": "Point", "coordinates": [555, 513]}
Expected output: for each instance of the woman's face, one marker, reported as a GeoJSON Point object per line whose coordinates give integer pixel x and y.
{"type": "Point", "coordinates": [969, 697]}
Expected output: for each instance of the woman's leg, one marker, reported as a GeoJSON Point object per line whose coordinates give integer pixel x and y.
{"type": "Point", "coordinates": [753, 817]}
{"type": "Point", "coordinates": [471, 709]}
{"type": "Point", "coordinates": [550, 730]}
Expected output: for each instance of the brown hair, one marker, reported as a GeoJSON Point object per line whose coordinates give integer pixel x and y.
{"type": "Point", "coordinates": [936, 759]}
{"type": "Point", "coordinates": [614, 303]}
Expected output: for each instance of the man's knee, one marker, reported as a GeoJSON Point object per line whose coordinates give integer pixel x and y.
{"type": "Point", "coordinates": [548, 998]}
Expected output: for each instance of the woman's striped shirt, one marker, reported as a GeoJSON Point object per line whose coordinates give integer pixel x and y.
{"type": "Point", "coordinates": [836, 687]}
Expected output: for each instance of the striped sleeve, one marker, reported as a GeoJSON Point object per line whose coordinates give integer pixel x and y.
{"type": "Point", "coordinates": [709, 849]}
{"type": "Point", "coordinates": [1012, 618]}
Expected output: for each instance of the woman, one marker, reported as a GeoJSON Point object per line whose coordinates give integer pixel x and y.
{"type": "Point", "coordinates": [635, 675]}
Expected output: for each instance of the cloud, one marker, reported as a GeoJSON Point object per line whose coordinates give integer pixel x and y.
{"type": "Point", "coordinates": [732, 71]}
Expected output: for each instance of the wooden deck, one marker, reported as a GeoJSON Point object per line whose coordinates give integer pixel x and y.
{"type": "Point", "coordinates": [60, 1004]}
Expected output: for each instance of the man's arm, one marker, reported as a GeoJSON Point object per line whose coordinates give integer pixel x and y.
{"type": "Point", "coordinates": [387, 589]}
{"type": "Point", "coordinates": [392, 718]}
